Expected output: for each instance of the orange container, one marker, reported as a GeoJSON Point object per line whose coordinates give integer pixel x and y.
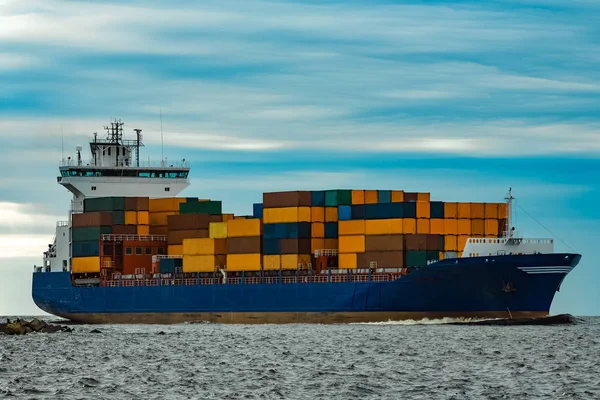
{"type": "Point", "coordinates": [352, 244]}
{"type": "Point", "coordinates": [143, 230]}
{"type": "Point", "coordinates": [242, 227]}
{"type": "Point", "coordinates": [331, 214]}
{"type": "Point", "coordinates": [424, 197]}
{"type": "Point", "coordinates": [491, 227]}
{"type": "Point", "coordinates": [450, 226]}
{"type": "Point", "coordinates": [358, 197]}
{"type": "Point", "coordinates": [317, 214]}
{"type": "Point", "coordinates": [464, 226]}
{"type": "Point", "coordinates": [451, 243]}
{"type": "Point", "coordinates": [272, 263]}
{"type": "Point", "coordinates": [409, 226]}
{"type": "Point", "coordinates": [244, 262]}
{"type": "Point", "coordinates": [478, 210]}
{"type": "Point", "coordinates": [451, 210]}
{"type": "Point", "coordinates": [423, 226]}
{"type": "Point", "coordinates": [464, 210]}
{"type": "Point", "coordinates": [347, 261]}
{"type": "Point", "coordinates": [397, 196]}
{"type": "Point", "coordinates": [502, 211]}
{"type": "Point", "coordinates": [371, 197]}
{"type": "Point", "coordinates": [318, 230]}
{"type": "Point", "coordinates": [175, 250]}
{"type": "Point", "coordinates": [317, 244]}
{"type": "Point", "coordinates": [477, 227]}
{"type": "Point", "coordinates": [160, 218]}
{"type": "Point", "coordinates": [423, 209]}
{"type": "Point", "coordinates": [353, 227]}
{"type": "Point", "coordinates": [331, 244]}
{"type": "Point", "coordinates": [462, 241]}
{"type": "Point", "coordinates": [491, 210]}
{"type": "Point", "coordinates": [383, 226]}
{"type": "Point", "coordinates": [295, 261]}
{"type": "Point", "coordinates": [436, 226]}
{"type": "Point", "coordinates": [228, 217]}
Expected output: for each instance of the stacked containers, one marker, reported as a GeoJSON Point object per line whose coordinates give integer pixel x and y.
{"type": "Point", "coordinates": [160, 210]}
{"type": "Point", "coordinates": [136, 217]}
{"type": "Point", "coordinates": [244, 243]}
{"type": "Point", "coordinates": [86, 229]}
{"type": "Point", "coordinates": [185, 226]}
{"type": "Point", "coordinates": [203, 254]}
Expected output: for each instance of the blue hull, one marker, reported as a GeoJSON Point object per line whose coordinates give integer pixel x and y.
{"type": "Point", "coordinates": [465, 287]}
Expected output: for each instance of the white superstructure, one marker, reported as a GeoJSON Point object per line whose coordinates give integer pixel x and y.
{"type": "Point", "coordinates": [113, 169]}
{"type": "Point", "coordinates": [511, 241]}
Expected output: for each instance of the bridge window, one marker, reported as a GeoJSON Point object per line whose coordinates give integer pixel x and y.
{"type": "Point", "coordinates": [129, 251]}
{"type": "Point", "coordinates": [138, 251]}
{"type": "Point", "coordinates": [148, 251]}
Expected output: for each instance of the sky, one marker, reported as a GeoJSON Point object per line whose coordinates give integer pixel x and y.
{"type": "Point", "coordinates": [462, 99]}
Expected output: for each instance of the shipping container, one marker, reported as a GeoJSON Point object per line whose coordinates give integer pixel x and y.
{"type": "Point", "coordinates": [158, 230]}
{"type": "Point", "coordinates": [244, 227]}
{"type": "Point", "coordinates": [143, 218]}
{"type": "Point", "coordinates": [186, 222]}
{"type": "Point", "coordinates": [143, 229]}
{"type": "Point", "coordinates": [384, 226]}
{"type": "Point", "coordinates": [331, 230]}
{"type": "Point", "coordinates": [218, 230]}
{"type": "Point", "coordinates": [423, 226]}
{"type": "Point", "coordinates": [371, 197]}
{"type": "Point", "coordinates": [436, 226]}
{"type": "Point", "coordinates": [160, 218]}
{"type": "Point", "coordinates": [317, 214]}
{"type": "Point", "coordinates": [91, 219]}
{"type": "Point", "coordinates": [451, 210]}
{"type": "Point", "coordinates": [462, 241]}
{"type": "Point", "coordinates": [137, 204]}
{"type": "Point", "coordinates": [434, 242]}
{"type": "Point", "coordinates": [318, 230]}
{"type": "Point", "coordinates": [317, 198]}
{"type": "Point", "coordinates": [85, 265]}
{"type": "Point", "coordinates": [334, 198]}
{"type": "Point", "coordinates": [124, 229]}
{"type": "Point", "coordinates": [295, 246]}
{"type": "Point", "coordinates": [272, 263]}
{"type": "Point", "coordinates": [131, 218]}
{"type": "Point", "coordinates": [384, 196]}
{"type": "Point", "coordinates": [451, 243]}
{"type": "Point", "coordinates": [384, 243]}
{"type": "Point", "coordinates": [411, 197]}
{"type": "Point", "coordinates": [352, 244]}
{"type": "Point", "coordinates": [432, 256]}
{"type": "Point", "coordinates": [295, 261]}
{"type": "Point", "coordinates": [168, 204]}
{"type": "Point", "coordinates": [228, 217]}
{"type": "Point", "coordinates": [409, 210]}
{"type": "Point", "coordinates": [384, 211]}
{"type": "Point", "coordinates": [288, 230]}
{"type": "Point", "coordinates": [354, 227]}
{"type": "Point", "coordinates": [287, 199]}
{"type": "Point", "coordinates": [416, 258]}
{"type": "Point", "coordinates": [381, 259]}
{"type": "Point", "coordinates": [397, 196]}
{"type": "Point", "coordinates": [331, 244]}
{"type": "Point", "coordinates": [491, 210]}
{"type": "Point", "coordinates": [89, 248]}
{"type": "Point", "coordinates": [118, 218]}
{"type": "Point", "coordinates": [170, 265]}
{"type": "Point", "coordinates": [286, 214]}
{"type": "Point", "coordinates": [89, 234]}
{"type": "Point", "coordinates": [464, 210]}
{"type": "Point", "coordinates": [450, 226]}
{"type": "Point", "coordinates": [344, 213]}
{"type": "Point", "coordinates": [317, 244]}
{"type": "Point", "coordinates": [409, 225]}
{"type": "Point", "coordinates": [347, 261]}
{"type": "Point", "coordinates": [423, 209]}
{"type": "Point", "coordinates": [244, 262]}
{"type": "Point", "coordinates": [450, 254]}
{"type": "Point", "coordinates": [477, 210]}
{"type": "Point", "coordinates": [175, 250]}
{"type": "Point", "coordinates": [436, 209]}
{"type": "Point", "coordinates": [93, 204]}
{"type": "Point", "coordinates": [358, 212]}
{"type": "Point", "coordinates": [203, 246]}
{"type": "Point", "coordinates": [257, 210]}
{"type": "Point", "coordinates": [415, 242]}
{"type": "Point", "coordinates": [206, 207]}
{"type": "Point", "coordinates": [203, 263]}
{"type": "Point", "coordinates": [477, 227]}
{"type": "Point", "coordinates": [247, 244]}
{"type": "Point", "coordinates": [271, 246]}
{"type": "Point", "coordinates": [331, 214]}
{"type": "Point", "coordinates": [464, 226]}
{"type": "Point", "coordinates": [358, 197]}
{"type": "Point", "coordinates": [177, 237]}
{"type": "Point", "coordinates": [502, 211]}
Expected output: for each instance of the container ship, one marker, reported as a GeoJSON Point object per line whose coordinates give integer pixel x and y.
{"type": "Point", "coordinates": [132, 251]}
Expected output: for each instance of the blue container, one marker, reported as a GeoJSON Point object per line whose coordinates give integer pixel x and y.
{"type": "Point", "coordinates": [292, 230]}
{"type": "Point", "coordinates": [191, 199]}
{"type": "Point", "coordinates": [358, 211]}
{"type": "Point", "coordinates": [331, 230]}
{"type": "Point", "coordinates": [257, 210]}
{"type": "Point", "coordinates": [344, 213]}
{"type": "Point", "coordinates": [271, 247]}
{"type": "Point", "coordinates": [410, 209]}
{"type": "Point", "coordinates": [384, 211]}
{"type": "Point", "coordinates": [436, 209]}
{"type": "Point", "coordinates": [167, 265]}
{"type": "Point", "coordinates": [318, 198]}
{"type": "Point", "coordinates": [300, 230]}
{"type": "Point", "coordinates": [384, 196]}
{"type": "Point", "coordinates": [88, 248]}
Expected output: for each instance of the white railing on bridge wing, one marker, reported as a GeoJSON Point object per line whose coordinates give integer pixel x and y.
{"type": "Point", "coordinates": [129, 164]}
{"type": "Point", "coordinates": [141, 238]}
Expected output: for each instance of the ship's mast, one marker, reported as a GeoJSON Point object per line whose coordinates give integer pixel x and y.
{"type": "Point", "coordinates": [509, 228]}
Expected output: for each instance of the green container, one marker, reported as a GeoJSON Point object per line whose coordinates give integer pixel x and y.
{"type": "Point", "coordinates": [104, 204]}
{"type": "Point", "coordinates": [203, 207]}
{"type": "Point", "coordinates": [334, 198]}
{"type": "Point", "coordinates": [416, 258]}
{"type": "Point", "coordinates": [89, 234]}
{"type": "Point", "coordinates": [432, 256]}
{"type": "Point", "coordinates": [118, 217]}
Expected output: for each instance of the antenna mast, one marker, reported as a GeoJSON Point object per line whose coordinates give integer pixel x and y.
{"type": "Point", "coordinates": [138, 133]}
{"type": "Point", "coordinates": [509, 228]}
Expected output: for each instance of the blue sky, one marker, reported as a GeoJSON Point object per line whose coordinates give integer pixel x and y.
{"type": "Point", "coordinates": [462, 99]}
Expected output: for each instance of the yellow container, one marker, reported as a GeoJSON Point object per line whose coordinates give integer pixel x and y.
{"type": "Point", "coordinates": [143, 230]}
{"type": "Point", "coordinates": [272, 263]}
{"type": "Point", "coordinates": [450, 226]}
{"type": "Point", "coordinates": [371, 197]}
{"type": "Point", "coordinates": [424, 197]}
{"type": "Point", "coordinates": [383, 226]}
{"type": "Point", "coordinates": [464, 226]}
{"type": "Point", "coordinates": [160, 218]}
{"type": "Point", "coordinates": [331, 244]}
{"type": "Point", "coordinates": [491, 227]}
{"type": "Point", "coordinates": [358, 197]}
{"type": "Point", "coordinates": [423, 209]}
{"type": "Point", "coordinates": [165, 204]}
{"type": "Point", "coordinates": [353, 227]}
{"type": "Point", "coordinates": [244, 262]}
{"type": "Point", "coordinates": [175, 249]}
{"type": "Point", "coordinates": [217, 230]}
{"type": "Point", "coordinates": [502, 211]}
{"type": "Point", "coordinates": [286, 215]}
{"type": "Point", "coordinates": [347, 261]}
{"type": "Point", "coordinates": [451, 210]}
{"type": "Point", "coordinates": [491, 210]}
{"type": "Point", "coordinates": [243, 227]}
{"type": "Point", "coordinates": [423, 226]}
{"type": "Point", "coordinates": [478, 227]}
{"type": "Point", "coordinates": [131, 218]}
{"type": "Point", "coordinates": [397, 196]}
{"type": "Point", "coordinates": [317, 244]}
{"type": "Point", "coordinates": [331, 214]}
{"type": "Point", "coordinates": [436, 226]}
{"type": "Point", "coordinates": [318, 230]}
{"type": "Point", "coordinates": [295, 261]}
{"type": "Point", "coordinates": [143, 217]}
{"type": "Point", "coordinates": [477, 210]}
{"type": "Point", "coordinates": [409, 226]}
{"type": "Point", "coordinates": [451, 243]}
{"type": "Point", "coordinates": [352, 244]}
{"type": "Point", "coordinates": [202, 263]}
{"type": "Point", "coordinates": [317, 214]}
{"type": "Point", "coordinates": [464, 210]}
{"type": "Point", "coordinates": [204, 246]}
{"type": "Point", "coordinates": [83, 265]}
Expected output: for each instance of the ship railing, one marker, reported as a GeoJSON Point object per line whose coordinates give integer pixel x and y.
{"type": "Point", "coordinates": [137, 238]}
{"type": "Point", "coordinates": [68, 162]}
{"type": "Point", "coordinates": [326, 252]}
{"type": "Point", "coordinates": [62, 223]}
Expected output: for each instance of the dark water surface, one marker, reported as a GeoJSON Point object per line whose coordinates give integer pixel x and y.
{"type": "Point", "coordinates": [356, 361]}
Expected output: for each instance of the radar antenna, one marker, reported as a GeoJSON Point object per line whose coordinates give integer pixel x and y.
{"type": "Point", "coordinates": [509, 228]}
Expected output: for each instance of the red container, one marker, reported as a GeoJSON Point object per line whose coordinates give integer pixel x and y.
{"type": "Point", "coordinates": [295, 246]}
{"type": "Point", "coordinates": [245, 245]}
{"type": "Point", "coordinates": [384, 259]}
{"type": "Point", "coordinates": [124, 229]}
{"type": "Point", "coordinates": [176, 237]}
{"type": "Point", "coordinates": [287, 199]}
{"type": "Point", "coordinates": [215, 218]}
{"type": "Point", "coordinates": [415, 242]}
{"type": "Point", "coordinates": [91, 219]}
{"type": "Point", "coordinates": [384, 243]}
{"type": "Point", "coordinates": [186, 222]}
{"type": "Point", "coordinates": [433, 242]}
{"type": "Point", "coordinates": [411, 196]}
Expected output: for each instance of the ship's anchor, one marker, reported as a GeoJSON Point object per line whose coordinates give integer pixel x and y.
{"type": "Point", "coordinates": [508, 287]}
